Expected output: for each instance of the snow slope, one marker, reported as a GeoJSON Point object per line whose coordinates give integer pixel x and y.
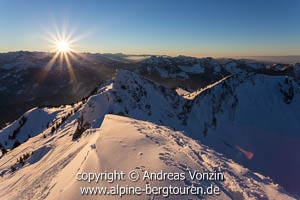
{"type": "Point", "coordinates": [123, 144]}
{"type": "Point", "coordinates": [35, 122]}
{"type": "Point", "coordinates": [244, 114]}
{"type": "Point", "coordinates": [258, 113]}
{"type": "Point", "coordinates": [134, 96]}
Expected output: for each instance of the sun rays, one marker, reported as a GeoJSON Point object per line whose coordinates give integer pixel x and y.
{"type": "Point", "coordinates": [63, 51]}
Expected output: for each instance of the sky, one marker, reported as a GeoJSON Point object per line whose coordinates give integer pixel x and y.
{"type": "Point", "coordinates": [169, 27]}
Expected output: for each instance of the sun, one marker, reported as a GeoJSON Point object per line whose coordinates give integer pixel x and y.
{"type": "Point", "coordinates": [63, 46]}
{"type": "Point", "coordinates": [63, 53]}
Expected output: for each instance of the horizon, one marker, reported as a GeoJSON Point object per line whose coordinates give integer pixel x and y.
{"type": "Point", "coordinates": [197, 29]}
{"type": "Point", "coordinates": [143, 54]}
{"type": "Point", "coordinates": [285, 59]}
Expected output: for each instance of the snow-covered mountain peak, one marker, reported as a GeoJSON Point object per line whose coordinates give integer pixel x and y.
{"type": "Point", "coordinates": [131, 95]}
{"type": "Point", "coordinates": [226, 116]}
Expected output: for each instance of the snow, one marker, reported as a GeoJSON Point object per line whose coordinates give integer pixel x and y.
{"type": "Point", "coordinates": [243, 110]}
{"type": "Point", "coordinates": [182, 92]}
{"type": "Point", "coordinates": [276, 67]}
{"type": "Point", "coordinates": [254, 113]}
{"type": "Point", "coordinates": [185, 67]}
{"type": "Point", "coordinates": [173, 67]}
{"type": "Point", "coordinates": [125, 144]}
{"type": "Point", "coordinates": [133, 96]}
{"type": "Point", "coordinates": [36, 121]}
{"type": "Point", "coordinates": [193, 95]}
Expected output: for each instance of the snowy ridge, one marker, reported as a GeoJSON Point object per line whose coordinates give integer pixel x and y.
{"type": "Point", "coordinates": [249, 93]}
{"type": "Point", "coordinates": [252, 104]}
{"type": "Point", "coordinates": [216, 116]}
{"type": "Point", "coordinates": [134, 96]}
{"type": "Point", "coordinates": [192, 95]}
{"type": "Point", "coordinates": [30, 124]}
{"type": "Point", "coordinates": [34, 122]}
{"type": "Point", "coordinates": [259, 113]}
{"type": "Point", "coordinates": [50, 171]}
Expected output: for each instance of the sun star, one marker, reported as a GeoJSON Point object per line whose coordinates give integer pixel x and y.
{"type": "Point", "coordinates": [63, 46]}
{"type": "Point", "coordinates": [63, 50]}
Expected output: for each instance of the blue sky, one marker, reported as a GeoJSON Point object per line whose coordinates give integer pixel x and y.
{"type": "Point", "coordinates": [191, 27]}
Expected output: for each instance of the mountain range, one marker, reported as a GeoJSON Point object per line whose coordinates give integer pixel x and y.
{"type": "Point", "coordinates": [172, 113]}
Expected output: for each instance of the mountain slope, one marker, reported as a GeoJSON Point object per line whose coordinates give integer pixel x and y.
{"type": "Point", "coordinates": [243, 114]}
{"type": "Point", "coordinates": [194, 73]}
{"type": "Point", "coordinates": [28, 80]}
{"type": "Point", "coordinates": [34, 122]}
{"type": "Point", "coordinates": [257, 112]}
{"type": "Point", "coordinates": [134, 96]}
{"type": "Point", "coordinates": [124, 144]}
